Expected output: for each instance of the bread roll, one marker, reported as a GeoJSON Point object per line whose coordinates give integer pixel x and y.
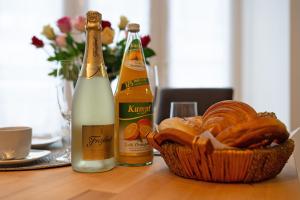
{"type": "Point", "coordinates": [197, 120]}
{"type": "Point", "coordinates": [190, 126]}
{"type": "Point", "coordinates": [178, 130]}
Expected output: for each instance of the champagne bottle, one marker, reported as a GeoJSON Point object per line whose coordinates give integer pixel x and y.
{"type": "Point", "coordinates": [133, 104]}
{"type": "Point", "coordinates": [93, 107]}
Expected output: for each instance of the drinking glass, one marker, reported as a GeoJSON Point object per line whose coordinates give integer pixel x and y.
{"type": "Point", "coordinates": [153, 79]}
{"type": "Point", "coordinates": [183, 109]}
{"type": "Point", "coordinates": [65, 90]}
{"type": "Point", "coordinates": [152, 74]}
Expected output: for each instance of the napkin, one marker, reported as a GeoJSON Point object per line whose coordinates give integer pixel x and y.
{"type": "Point", "coordinates": [216, 143]}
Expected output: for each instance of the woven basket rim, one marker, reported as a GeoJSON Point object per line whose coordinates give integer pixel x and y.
{"type": "Point", "coordinates": [241, 149]}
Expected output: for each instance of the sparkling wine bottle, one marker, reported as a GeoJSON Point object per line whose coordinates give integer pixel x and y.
{"type": "Point", "coordinates": [93, 107]}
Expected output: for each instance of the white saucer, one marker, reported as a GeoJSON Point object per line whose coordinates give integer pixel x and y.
{"type": "Point", "coordinates": [34, 154]}
{"type": "Point", "coordinates": [38, 142]}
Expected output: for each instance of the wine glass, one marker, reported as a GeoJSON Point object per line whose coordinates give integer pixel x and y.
{"type": "Point", "coordinates": [183, 109]}
{"type": "Point", "coordinates": [152, 74]}
{"type": "Point", "coordinates": [153, 79]}
{"type": "Point", "coordinates": [65, 90]}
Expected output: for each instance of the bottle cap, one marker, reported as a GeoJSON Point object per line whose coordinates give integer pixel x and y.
{"type": "Point", "coordinates": [133, 27]}
{"type": "Point", "coordinates": [93, 19]}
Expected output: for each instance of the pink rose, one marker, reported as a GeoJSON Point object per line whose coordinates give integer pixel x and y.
{"type": "Point", "coordinates": [37, 42]}
{"type": "Point", "coordinates": [64, 24]}
{"type": "Point", "coordinates": [79, 23]}
{"type": "Point", "coordinates": [61, 40]}
{"type": "Point", "coordinates": [145, 40]}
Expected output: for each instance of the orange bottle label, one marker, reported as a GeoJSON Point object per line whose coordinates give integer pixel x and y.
{"type": "Point", "coordinates": [135, 122]}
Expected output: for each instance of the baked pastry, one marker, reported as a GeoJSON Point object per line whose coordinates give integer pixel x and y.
{"type": "Point", "coordinates": [233, 123]}
{"type": "Point", "coordinates": [224, 114]}
{"type": "Point", "coordinates": [197, 120]}
{"type": "Point", "coordinates": [190, 124]}
{"type": "Point", "coordinates": [237, 124]}
{"type": "Point", "coordinates": [178, 130]}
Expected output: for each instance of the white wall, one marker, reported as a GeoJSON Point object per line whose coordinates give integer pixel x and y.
{"type": "Point", "coordinates": [199, 43]}
{"type": "Point", "coordinates": [265, 56]}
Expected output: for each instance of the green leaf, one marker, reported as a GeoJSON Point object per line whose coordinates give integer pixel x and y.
{"type": "Point", "coordinates": [63, 55]}
{"type": "Point", "coordinates": [53, 73]}
{"type": "Point", "coordinates": [71, 51]}
{"type": "Point", "coordinates": [80, 46]}
{"type": "Point", "coordinates": [53, 46]}
{"type": "Point", "coordinates": [69, 39]}
{"type": "Point", "coordinates": [52, 58]}
{"type": "Point", "coordinates": [110, 59]}
{"type": "Point", "coordinates": [121, 42]}
{"type": "Point", "coordinates": [148, 52]}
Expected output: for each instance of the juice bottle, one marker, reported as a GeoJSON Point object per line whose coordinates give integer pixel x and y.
{"type": "Point", "coordinates": [133, 105]}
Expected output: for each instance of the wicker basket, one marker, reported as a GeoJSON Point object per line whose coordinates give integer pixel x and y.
{"type": "Point", "coordinates": [201, 162]}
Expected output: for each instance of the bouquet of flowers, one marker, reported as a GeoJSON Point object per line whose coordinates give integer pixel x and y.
{"type": "Point", "coordinates": [67, 42]}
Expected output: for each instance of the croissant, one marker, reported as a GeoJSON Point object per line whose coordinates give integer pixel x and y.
{"type": "Point", "coordinates": [224, 114]}
{"type": "Point", "coordinates": [238, 125]}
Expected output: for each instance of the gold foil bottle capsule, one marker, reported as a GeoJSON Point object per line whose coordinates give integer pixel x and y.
{"type": "Point", "coordinates": [93, 20]}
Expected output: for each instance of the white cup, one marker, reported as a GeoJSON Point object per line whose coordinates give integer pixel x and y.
{"type": "Point", "coordinates": [15, 142]}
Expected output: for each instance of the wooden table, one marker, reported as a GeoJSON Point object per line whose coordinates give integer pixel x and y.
{"type": "Point", "coordinates": [152, 182]}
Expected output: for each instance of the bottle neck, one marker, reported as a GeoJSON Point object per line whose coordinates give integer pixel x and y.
{"type": "Point", "coordinates": [131, 37]}
{"type": "Point", "coordinates": [93, 63]}
{"type": "Point", "coordinates": [133, 74]}
{"type": "Point", "coordinates": [134, 56]}
{"type": "Point", "coordinates": [134, 44]}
